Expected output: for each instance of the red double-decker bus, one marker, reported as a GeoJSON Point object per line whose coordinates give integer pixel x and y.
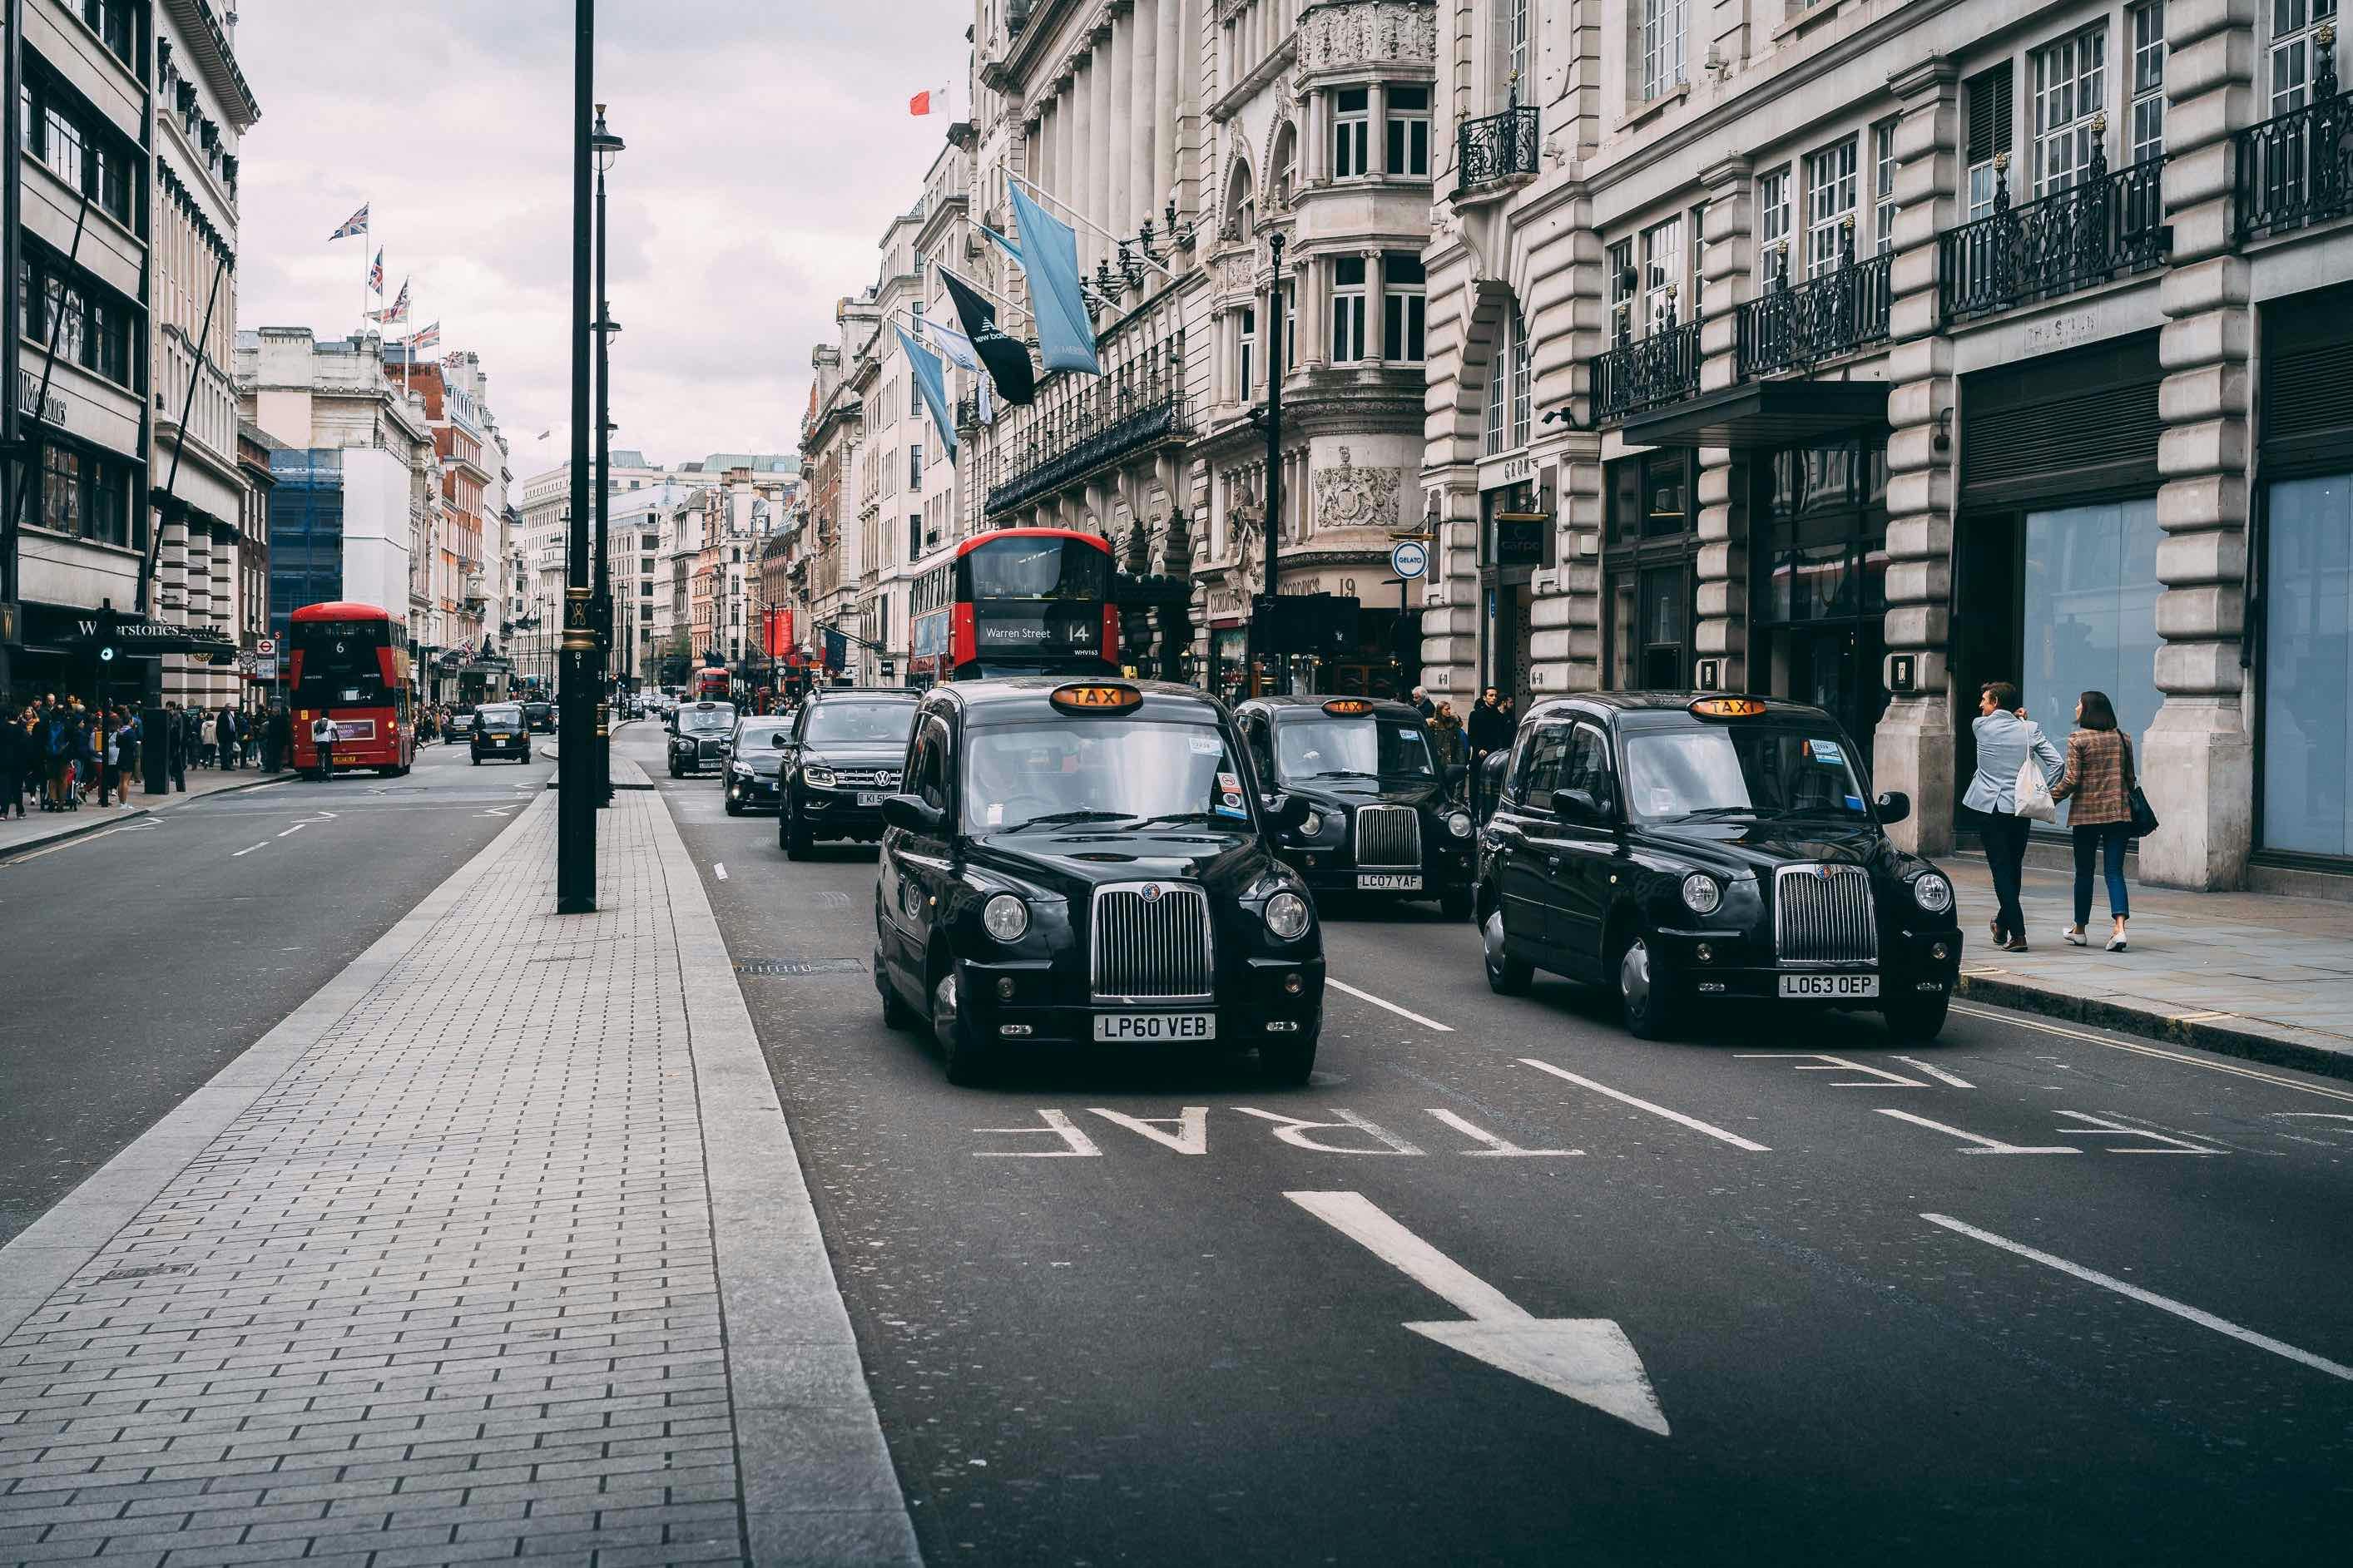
{"type": "Point", "coordinates": [345, 659]}
{"type": "Point", "coordinates": [1020, 601]}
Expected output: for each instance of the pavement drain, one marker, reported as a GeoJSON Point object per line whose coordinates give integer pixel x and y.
{"type": "Point", "coordinates": [150, 1271]}
{"type": "Point", "coordinates": [799, 966]}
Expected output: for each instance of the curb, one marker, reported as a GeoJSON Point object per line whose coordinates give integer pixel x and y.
{"type": "Point", "coordinates": [2222, 1033]}
{"type": "Point", "coordinates": [101, 820]}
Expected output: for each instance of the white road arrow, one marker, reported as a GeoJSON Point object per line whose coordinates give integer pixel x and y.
{"type": "Point", "coordinates": [1588, 1359]}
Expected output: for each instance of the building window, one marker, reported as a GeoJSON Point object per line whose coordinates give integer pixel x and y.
{"type": "Point", "coordinates": [914, 537]}
{"type": "Point", "coordinates": [1348, 284]}
{"type": "Point", "coordinates": [1621, 290]}
{"type": "Point", "coordinates": [1522, 379]}
{"type": "Point", "coordinates": [1249, 350]}
{"type": "Point", "coordinates": [111, 21]}
{"type": "Point", "coordinates": [1988, 101]}
{"type": "Point", "coordinates": [61, 490]}
{"type": "Point", "coordinates": [2295, 50]}
{"type": "Point", "coordinates": [2147, 121]}
{"type": "Point", "coordinates": [1829, 204]}
{"type": "Point", "coordinates": [1499, 387]}
{"type": "Point", "coordinates": [1882, 185]}
{"type": "Point", "coordinates": [1772, 224]}
{"type": "Point", "coordinates": [1404, 290]}
{"type": "Point", "coordinates": [1409, 132]}
{"type": "Point", "coordinates": [1662, 270]}
{"type": "Point", "coordinates": [1514, 30]}
{"type": "Point", "coordinates": [93, 326]}
{"type": "Point", "coordinates": [1351, 132]}
{"type": "Point", "coordinates": [1664, 23]}
{"type": "Point", "coordinates": [915, 467]}
{"type": "Point", "coordinates": [2067, 94]}
{"type": "Point", "coordinates": [79, 148]}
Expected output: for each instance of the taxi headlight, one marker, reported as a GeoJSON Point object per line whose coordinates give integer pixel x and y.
{"type": "Point", "coordinates": [1700, 895]}
{"type": "Point", "coordinates": [1931, 892]}
{"type": "Point", "coordinates": [1005, 918]}
{"type": "Point", "coordinates": [1458, 823]}
{"type": "Point", "coordinates": [818, 778]}
{"type": "Point", "coordinates": [1311, 825]}
{"type": "Point", "coordinates": [1286, 917]}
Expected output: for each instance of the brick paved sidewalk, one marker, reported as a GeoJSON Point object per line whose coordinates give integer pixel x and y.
{"type": "Point", "coordinates": [2250, 974]}
{"type": "Point", "coordinates": [37, 828]}
{"type": "Point", "coordinates": [498, 1247]}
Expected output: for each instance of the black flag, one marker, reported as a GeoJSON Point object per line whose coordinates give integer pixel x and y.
{"type": "Point", "coordinates": [1008, 361]}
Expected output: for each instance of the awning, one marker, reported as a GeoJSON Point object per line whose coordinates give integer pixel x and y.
{"type": "Point", "coordinates": [68, 628]}
{"type": "Point", "coordinates": [1762, 414]}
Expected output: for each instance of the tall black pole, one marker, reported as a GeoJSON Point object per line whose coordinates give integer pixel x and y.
{"type": "Point", "coordinates": [603, 596]}
{"type": "Point", "coordinates": [1275, 671]}
{"type": "Point", "coordinates": [575, 822]}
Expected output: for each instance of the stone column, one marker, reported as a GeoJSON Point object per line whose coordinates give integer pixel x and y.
{"type": "Point", "coordinates": [1143, 115]}
{"type": "Point", "coordinates": [1117, 54]}
{"type": "Point", "coordinates": [1084, 134]}
{"type": "Point", "coordinates": [1376, 303]}
{"type": "Point", "coordinates": [1722, 480]}
{"type": "Point", "coordinates": [1108, 151]}
{"type": "Point", "coordinates": [2198, 752]}
{"type": "Point", "coordinates": [1913, 748]}
{"type": "Point", "coordinates": [1165, 15]}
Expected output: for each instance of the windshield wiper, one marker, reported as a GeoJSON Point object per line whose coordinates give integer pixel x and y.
{"type": "Point", "coordinates": [1711, 812]}
{"type": "Point", "coordinates": [1339, 774]}
{"type": "Point", "coordinates": [1063, 816]}
{"type": "Point", "coordinates": [1209, 816]}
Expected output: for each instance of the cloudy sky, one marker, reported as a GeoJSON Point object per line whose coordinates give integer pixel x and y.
{"type": "Point", "coordinates": [769, 142]}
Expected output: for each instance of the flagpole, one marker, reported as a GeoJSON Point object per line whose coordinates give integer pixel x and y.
{"type": "Point", "coordinates": [1130, 240]}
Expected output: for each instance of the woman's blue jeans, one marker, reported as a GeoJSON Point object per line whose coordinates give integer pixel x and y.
{"type": "Point", "coordinates": [2105, 842]}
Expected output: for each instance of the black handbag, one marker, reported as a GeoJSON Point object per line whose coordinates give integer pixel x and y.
{"type": "Point", "coordinates": [2144, 820]}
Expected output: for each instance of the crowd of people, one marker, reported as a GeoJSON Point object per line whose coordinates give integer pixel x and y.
{"type": "Point", "coordinates": [62, 752]}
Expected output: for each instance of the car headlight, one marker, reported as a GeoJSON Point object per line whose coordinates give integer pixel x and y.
{"type": "Point", "coordinates": [1700, 895]}
{"type": "Point", "coordinates": [818, 778]}
{"type": "Point", "coordinates": [1311, 825]}
{"type": "Point", "coordinates": [1005, 918]}
{"type": "Point", "coordinates": [1931, 892]}
{"type": "Point", "coordinates": [1458, 823]}
{"type": "Point", "coordinates": [1286, 917]}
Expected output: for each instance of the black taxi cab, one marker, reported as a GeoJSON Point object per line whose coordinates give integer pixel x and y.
{"type": "Point", "coordinates": [1382, 814]}
{"type": "Point", "coordinates": [1090, 864]}
{"type": "Point", "coordinates": [1691, 848]}
{"type": "Point", "coordinates": [501, 731]}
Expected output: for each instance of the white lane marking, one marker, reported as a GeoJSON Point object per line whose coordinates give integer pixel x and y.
{"type": "Point", "coordinates": [2096, 1124]}
{"type": "Point", "coordinates": [718, 871]}
{"type": "Point", "coordinates": [1383, 1002]}
{"type": "Point", "coordinates": [2148, 1298]}
{"type": "Point", "coordinates": [1880, 1076]}
{"type": "Point", "coordinates": [296, 829]}
{"type": "Point", "coordinates": [251, 849]}
{"type": "Point", "coordinates": [1293, 1131]}
{"type": "Point", "coordinates": [1496, 1148]}
{"type": "Point", "coordinates": [1693, 1122]}
{"type": "Point", "coordinates": [1076, 1145]}
{"type": "Point", "coordinates": [1191, 1134]}
{"type": "Point", "coordinates": [1588, 1358]}
{"type": "Point", "coordinates": [2157, 1051]}
{"type": "Point", "coordinates": [1936, 1072]}
{"type": "Point", "coordinates": [1984, 1145]}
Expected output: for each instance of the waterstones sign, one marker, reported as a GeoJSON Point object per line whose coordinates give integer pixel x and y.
{"type": "Point", "coordinates": [65, 627]}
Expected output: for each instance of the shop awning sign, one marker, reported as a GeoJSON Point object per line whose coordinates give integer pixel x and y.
{"type": "Point", "coordinates": [1409, 559]}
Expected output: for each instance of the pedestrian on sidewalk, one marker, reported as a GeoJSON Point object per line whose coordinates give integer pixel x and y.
{"type": "Point", "coordinates": [2099, 780]}
{"type": "Point", "coordinates": [232, 744]}
{"type": "Point", "coordinates": [1489, 730]}
{"type": "Point", "coordinates": [1446, 735]}
{"type": "Point", "coordinates": [281, 732]}
{"type": "Point", "coordinates": [15, 761]}
{"type": "Point", "coordinates": [176, 746]}
{"type": "Point", "coordinates": [2006, 739]}
{"type": "Point", "coordinates": [322, 741]}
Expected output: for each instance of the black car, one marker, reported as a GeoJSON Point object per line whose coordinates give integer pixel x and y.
{"type": "Point", "coordinates": [1383, 815]}
{"type": "Point", "coordinates": [498, 732]}
{"type": "Point", "coordinates": [697, 737]}
{"type": "Point", "coordinates": [539, 718]}
{"type": "Point", "coordinates": [1688, 848]}
{"type": "Point", "coordinates": [842, 759]}
{"type": "Point", "coordinates": [461, 724]}
{"type": "Point", "coordinates": [1088, 864]}
{"type": "Point", "coordinates": [755, 753]}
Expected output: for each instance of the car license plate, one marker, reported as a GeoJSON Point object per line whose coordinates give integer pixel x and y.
{"type": "Point", "coordinates": [1155, 1026]}
{"type": "Point", "coordinates": [1829, 987]}
{"type": "Point", "coordinates": [1389, 883]}
{"type": "Point", "coordinates": [870, 797]}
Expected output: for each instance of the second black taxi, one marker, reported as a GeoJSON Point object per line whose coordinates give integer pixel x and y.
{"type": "Point", "coordinates": [1686, 848]}
{"type": "Point", "coordinates": [1089, 864]}
{"type": "Point", "coordinates": [1382, 816]}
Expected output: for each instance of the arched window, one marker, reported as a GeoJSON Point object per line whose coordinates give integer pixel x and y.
{"type": "Point", "coordinates": [1242, 207]}
{"type": "Point", "coordinates": [1286, 159]}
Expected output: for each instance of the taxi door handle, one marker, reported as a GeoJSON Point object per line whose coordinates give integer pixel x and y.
{"type": "Point", "coordinates": [1551, 862]}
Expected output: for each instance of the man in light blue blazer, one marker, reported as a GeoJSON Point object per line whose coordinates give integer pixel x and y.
{"type": "Point", "coordinates": [2006, 738]}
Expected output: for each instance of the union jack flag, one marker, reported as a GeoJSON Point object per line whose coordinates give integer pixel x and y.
{"type": "Point", "coordinates": [375, 273]}
{"type": "Point", "coordinates": [456, 359]}
{"type": "Point", "coordinates": [398, 309]}
{"type": "Point", "coordinates": [356, 224]}
{"type": "Point", "coordinates": [425, 337]}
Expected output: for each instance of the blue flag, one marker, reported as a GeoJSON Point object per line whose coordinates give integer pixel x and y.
{"type": "Point", "coordinates": [930, 380]}
{"type": "Point", "coordinates": [1049, 255]}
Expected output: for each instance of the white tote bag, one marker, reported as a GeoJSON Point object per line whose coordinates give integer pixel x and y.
{"type": "Point", "coordinates": [2034, 792]}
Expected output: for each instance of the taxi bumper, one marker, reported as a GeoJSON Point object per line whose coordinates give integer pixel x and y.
{"type": "Point", "coordinates": [1267, 1000]}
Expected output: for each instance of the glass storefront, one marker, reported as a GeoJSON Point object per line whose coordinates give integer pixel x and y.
{"type": "Point", "coordinates": [1650, 557]}
{"type": "Point", "coordinates": [1818, 532]}
{"type": "Point", "coordinates": [2090, 614]}
{"type": "Point", "coordinates": [2308, 687]}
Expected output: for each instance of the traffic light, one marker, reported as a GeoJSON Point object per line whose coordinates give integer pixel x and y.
{"type": "Point", "coordinates": [105, 645]}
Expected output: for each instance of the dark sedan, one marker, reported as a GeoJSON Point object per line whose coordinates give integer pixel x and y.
{"type": "Point", "coordinates": [755, 752]}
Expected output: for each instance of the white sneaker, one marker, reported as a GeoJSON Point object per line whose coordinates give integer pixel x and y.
{"type": "Point", "coordinates": [2075, 937]}
{"type": "Point", "coordinates": [2116, 943]}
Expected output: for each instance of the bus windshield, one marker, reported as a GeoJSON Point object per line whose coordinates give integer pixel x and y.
{"type": "Point", "coordinates": [340, 663]}
{"type": "Point", "coordinates": [1043, 568]}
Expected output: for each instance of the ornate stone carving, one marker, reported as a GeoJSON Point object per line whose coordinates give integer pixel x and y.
{"type": "Point", "coordinates": [1374, 33]}
{"type": "Point", "coordinates": [1351, 496]}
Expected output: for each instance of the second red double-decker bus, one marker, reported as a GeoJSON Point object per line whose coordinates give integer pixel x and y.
{"type": "Point", "coordinates": [1019, 601]}
{"type": "Point", "coordinates": [345, 659]}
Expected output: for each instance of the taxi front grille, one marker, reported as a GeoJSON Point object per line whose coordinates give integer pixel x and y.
{"type": "Point", "coordinates": [1150, 945]}
{"type": "Point", "coordinates": [1388, 835]}
{"type": "Point", "coordinates": [1824, 914]}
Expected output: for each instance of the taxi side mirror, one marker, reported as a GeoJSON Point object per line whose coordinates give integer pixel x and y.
{"type": "Point", "coordinates": [1288, 811]}
{"type": "Point", "coordinates": [913, 813]}
{"type": "Point", "coordinates": [1895, 805]}
{"type": "Point", "coordinates": [1577, 806]}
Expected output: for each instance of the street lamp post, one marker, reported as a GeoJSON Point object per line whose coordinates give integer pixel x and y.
{"type": "Point", "coordinates": [1272, 524]}
{"type": "Point", "coordinates": [576, 822]}
{"type": "Point", "coordinates": [606, 147]}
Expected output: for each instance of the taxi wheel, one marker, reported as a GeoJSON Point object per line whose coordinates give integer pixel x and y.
{"type": "Point", "coordinates": [477, 759]}
{"type": "Point", "coordinates": [1288, 1062]}
{"type": "Point", "coordinates": [963, 1056]}
{"type": "Point", "coordinates": [896, 1014]}
{"type": "Point", "coordinates": [734, 808]}
{"type": "Point", "coordinates": [1506, 975]}
{"type": "Point", "coordinates": [1918, 1018]}
{"type": "Point", "coordinates": [1642, 994]}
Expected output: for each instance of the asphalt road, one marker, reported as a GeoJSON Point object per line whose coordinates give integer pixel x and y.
{"type": "Point", "coordinates": [139, 960]}
{"type": "Point", "coordinates": [1120, 1312]}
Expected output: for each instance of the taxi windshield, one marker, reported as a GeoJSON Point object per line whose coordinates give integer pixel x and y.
{"type": "Point", "coordinates": [1325, 748]}
{"type": "Point", "coordinates": [494, 716]}
{"type": "Point", "coordinates": [717, 719]}
{"type": "Point", "coordinates": [1740, 771]}
{"type": "Point", "coordinates": [1101, 770]}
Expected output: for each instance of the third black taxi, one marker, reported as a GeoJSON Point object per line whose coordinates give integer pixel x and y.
{"type": "Point", "coordinates": [1087, 863]}
{"type": "Point", "coordinates": [1382, 814]}
{"type": "Point", "coordinates": [1694, 848]}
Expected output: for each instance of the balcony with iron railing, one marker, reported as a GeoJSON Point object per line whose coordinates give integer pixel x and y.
{"type": "Point", "coordinates": [1638, 374]}
{"type": "Point", "coordinates": [1797, 327]}
{"type": "Point", "coordinates": [2109, 224]}
{"type": "Point", "coordinates": [1495, 148]}
{"type": "Point", "coordinates": [2295, 169]}
{"type": "Point", "coordinates": [1087, 423]}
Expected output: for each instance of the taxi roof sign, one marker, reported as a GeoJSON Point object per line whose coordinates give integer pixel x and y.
{"type": "Point", "coordinates": [1348, 707]}
{"type": "Point", "coordinates": [1727, 707]}
{"type": "Point", "coordinates": [1096, 698]}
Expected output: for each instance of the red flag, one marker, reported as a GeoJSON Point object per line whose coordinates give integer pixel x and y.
{"type": "Point", "coordinates": [931, 101]}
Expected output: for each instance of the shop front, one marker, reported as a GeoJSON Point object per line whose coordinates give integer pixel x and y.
{"type": "Point", "coordinates": [1515, 543]}
{"type": "Point", "coordinates": [55, 656]}
{"type": "Point", "coordinates": [1648, 560]}
{"type": "Point", "coordinates": [1818, 550]}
